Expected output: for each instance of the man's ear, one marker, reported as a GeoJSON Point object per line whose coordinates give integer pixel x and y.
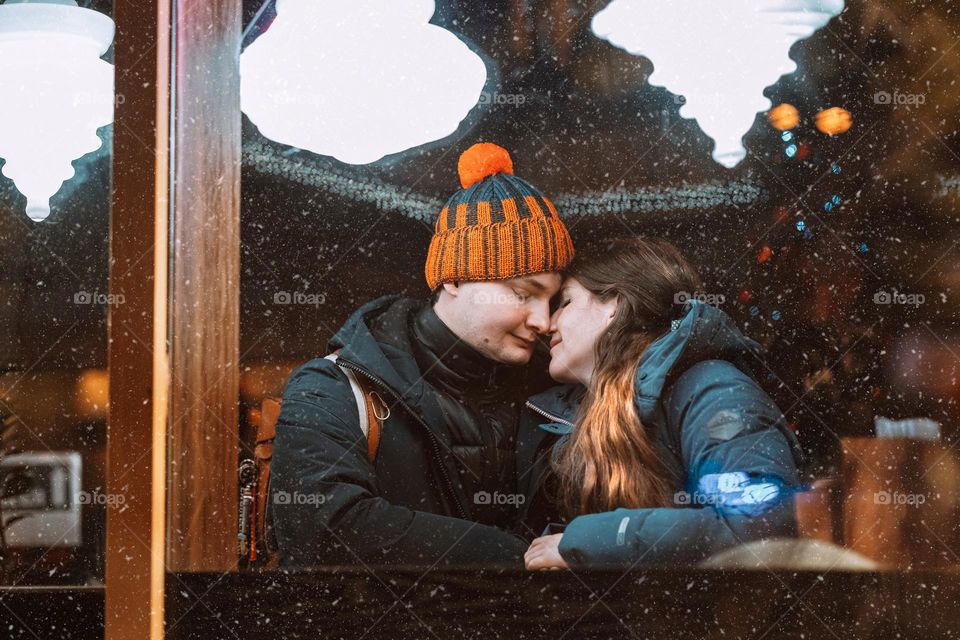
{"type": "Point", "coordinates": [453, 288]}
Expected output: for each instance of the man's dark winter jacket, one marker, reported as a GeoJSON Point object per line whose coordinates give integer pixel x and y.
{"type": "Point", "coordinates": [441, 489]}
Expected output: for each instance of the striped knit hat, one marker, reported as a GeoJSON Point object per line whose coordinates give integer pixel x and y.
{"type": "Point", "coordinates": [497, 227]}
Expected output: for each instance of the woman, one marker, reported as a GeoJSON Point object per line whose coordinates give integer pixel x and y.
{"type": "Point", "coordinates": [661, 447]}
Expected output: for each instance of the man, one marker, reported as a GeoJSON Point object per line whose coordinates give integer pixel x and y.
{"type": "Point", "coordinates": [455, 374]}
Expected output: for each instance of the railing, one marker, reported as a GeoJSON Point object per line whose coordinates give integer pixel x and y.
{"type": "Point", "coordinates": [369, 603]}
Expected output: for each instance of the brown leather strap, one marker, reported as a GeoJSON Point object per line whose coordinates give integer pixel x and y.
{"type": "Point", "coordinates": [263, 452]}
{"type": "Point", "coordinates": [377, 412]}
{"type": "Point", "coordinates": [267, 426]}
{"type": "Point", "coordinates": [375, 406]}
{"type": "Point", "coordinates": [265, 420]}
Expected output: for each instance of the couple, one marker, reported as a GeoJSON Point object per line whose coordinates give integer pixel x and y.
{"type": "Point", "coordinates": [657, 447]}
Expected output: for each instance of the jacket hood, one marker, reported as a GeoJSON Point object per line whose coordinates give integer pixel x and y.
{"type": "Point", "coordinates": [391, 362]}
{"type": "Point", "coordinates": [703, 332]}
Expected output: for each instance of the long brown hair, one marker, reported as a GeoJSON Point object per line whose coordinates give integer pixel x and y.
{"type": "Point", "coordinates": [608, 461]}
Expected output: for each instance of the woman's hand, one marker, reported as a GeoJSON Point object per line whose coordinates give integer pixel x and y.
{"type": "Point", "coordinates": [544, 553]}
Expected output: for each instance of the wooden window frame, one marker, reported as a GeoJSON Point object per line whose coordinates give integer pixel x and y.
{"type": "Point", "coordinates": [173, 353]}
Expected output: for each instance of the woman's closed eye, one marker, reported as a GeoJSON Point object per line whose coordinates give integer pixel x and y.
{"type": "Point", "coordinates": [557, 304]}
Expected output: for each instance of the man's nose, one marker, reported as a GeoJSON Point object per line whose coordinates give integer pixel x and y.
{"type": "Point", "coordinates": [539, 317]}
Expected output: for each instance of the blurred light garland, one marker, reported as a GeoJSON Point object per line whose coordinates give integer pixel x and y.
{"type": "Point", "coordinates": [949, 187]}
{"type": "Point", "coordinates": [371, 190]}
{"type": "Point", "coordinates": [650, 199]}
{"type": "Point", "coordinates": [341, 182]}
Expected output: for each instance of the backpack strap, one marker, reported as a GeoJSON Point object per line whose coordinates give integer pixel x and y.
{"type": "Point", "coordinates": [371, 409]}
{"type": "Point", "coordinates": [255, 485]}
{"type": "Point", "coordinates": [256, 526]}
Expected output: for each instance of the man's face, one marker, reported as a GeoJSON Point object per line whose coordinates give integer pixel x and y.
{"type": "Point", "coordinates": [501, 319]}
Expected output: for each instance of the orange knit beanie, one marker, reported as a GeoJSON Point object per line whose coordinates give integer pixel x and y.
{"type": "Point", "coordinates": [497, 227]}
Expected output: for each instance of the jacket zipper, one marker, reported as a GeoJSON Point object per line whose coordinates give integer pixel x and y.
{"type": "Point", "coordinates": [544, 413]}
{"type": "Point", "coordinates": [430, 433]}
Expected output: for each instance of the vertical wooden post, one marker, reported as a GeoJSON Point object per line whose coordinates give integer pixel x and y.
{"type": "Point", "coordinates": [173, 354]}
{"type": "Point", "coordinates": [136, 433]}
{"type": "Point", "coordinates": [205, 287]}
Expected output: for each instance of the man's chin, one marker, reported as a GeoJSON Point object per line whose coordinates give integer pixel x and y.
{"type": "Point", "coordinates": [516, 357]}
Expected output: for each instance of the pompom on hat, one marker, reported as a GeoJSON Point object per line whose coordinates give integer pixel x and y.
{"type": "Point", "coordinates": [497, 227]}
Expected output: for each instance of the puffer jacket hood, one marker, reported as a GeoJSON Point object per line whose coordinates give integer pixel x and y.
{"type": "Point", "coordinates": [703, 332]}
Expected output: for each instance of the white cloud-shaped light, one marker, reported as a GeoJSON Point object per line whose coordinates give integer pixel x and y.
{"type": "Point", "coordinates": [55, 92]}
{"type": "Point", "coordinates": [358, 79]}
{"type": "Point", "coordinates": [719, 54]}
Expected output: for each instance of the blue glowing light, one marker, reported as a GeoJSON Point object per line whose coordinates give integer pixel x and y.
{"type": "Point", "coordinates": [734, 489]}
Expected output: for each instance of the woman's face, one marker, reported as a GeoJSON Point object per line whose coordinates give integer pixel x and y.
{"type": "Point", "coordinates": [576, 325]}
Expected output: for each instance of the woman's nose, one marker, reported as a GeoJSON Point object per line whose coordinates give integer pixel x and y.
{"type": "Point", "coordinates": [552, 329]}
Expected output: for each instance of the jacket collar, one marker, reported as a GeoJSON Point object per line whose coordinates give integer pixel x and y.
{"type": "Point", "coordinates": [378, 338]}
{"type": "Point", "coordinates": [558, 406]}
{"type": "Point", "coordinates": [703, 332]}
{"type": "Point", "coordinates": [383, 355]}
{"type": "Point", "coordinates": [453, 365]}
